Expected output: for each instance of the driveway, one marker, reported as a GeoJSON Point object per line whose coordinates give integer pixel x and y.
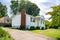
{"type": "Point", "coordinates": [26, 35]}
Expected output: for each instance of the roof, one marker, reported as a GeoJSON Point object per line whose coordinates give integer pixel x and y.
{"type": "Point", "coordinates": [2, 19]}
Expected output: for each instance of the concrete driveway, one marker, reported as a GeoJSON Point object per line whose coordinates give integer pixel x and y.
{"type": "Point", "coordinates": [25, 35]}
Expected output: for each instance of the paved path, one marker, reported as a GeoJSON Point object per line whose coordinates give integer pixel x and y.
{"type": "Point", "coordinates": [25, 35]}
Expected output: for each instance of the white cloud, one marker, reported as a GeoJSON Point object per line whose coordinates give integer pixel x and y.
{"type": "Point", "coordinates": [45, 6]}
{"type": "Point", "coordinates": [37, 1]}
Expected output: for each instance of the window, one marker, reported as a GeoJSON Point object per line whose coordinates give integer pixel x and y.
{"type": "Point", "coordinates": [7, 20]}
{"type": "Point", "coordinates": [41, 21]}
{"type": "Point", "coordinates": [32, 20]}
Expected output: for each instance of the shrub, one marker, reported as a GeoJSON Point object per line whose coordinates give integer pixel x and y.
{"type": "Point", "coordinates": [22, 27]}
{"type": "Point", "coordinates": [5, 35]}
{"type": "Point", "coordinates": [46, 28]}
{"type": "Point", "coordinates": [50, 27]}
{"type": "Point", "coordinates": [32, 28]}
{"type": "Point", "coordinates": [58, 38]}
{"type": "Point", "coordinates": [7, 25]}
{"type": "Point", "coordinates": [42, 28]}
{"type": "Point", "coordinates": [56, 27]}
{"type": "Point", "coordinates": [37, 27]}
{"type": "Point", "coordinates": [2, 33]}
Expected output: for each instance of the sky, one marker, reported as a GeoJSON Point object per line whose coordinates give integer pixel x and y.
{"type": "Point", "coordinates": [44, 5]}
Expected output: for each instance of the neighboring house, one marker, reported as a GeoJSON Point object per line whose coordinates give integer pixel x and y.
{"type": "Point", "coordinates": [5, 20]}
{"type": "Point", "coordinates": [26, 20]}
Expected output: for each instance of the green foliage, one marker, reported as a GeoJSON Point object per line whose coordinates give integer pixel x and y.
{"type": "Point", "coordinates": [3, 10]}
{"type": "Point", "coordinates": [31, 8]}
{"type": "Point", "coordinates": [14, 6]}
{"type": "Point", "coordinates": [22, 27]}
{"type": "Point", "coordinates": [55, 15]}
{"type": "Point", "coordinates": [8, 25]}
{"type": "Point", "coordinates": [58, 38]}
{"type": "Point", "coordinates": [56, 27]}
{"type": "Point", "coordinates": [42, 28]}
{"type": "Point", "coordinates": [4, 35]}
{"type": "Point", "coordinates": [54, 33]}
{"type": "Point", "coordinates": [48, 24]}
{"type": "Point", "coordinates": [37, 27]}
{"type": "Point", "coordinates": [32, 28]}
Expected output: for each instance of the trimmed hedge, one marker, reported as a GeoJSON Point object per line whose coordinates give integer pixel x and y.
{"type": "Point", "coordinates": [55, 27]}
{"type": "Point", "coordinates": [22, 27]}
{"type": "Point", "coordinates": [32, 28]}
{"type": "Point", "coordinates": [37, 27]}
{"type": "Point", "coordinates": [8, 25]}
{"type": "Point", "coordinates": [42, 28]}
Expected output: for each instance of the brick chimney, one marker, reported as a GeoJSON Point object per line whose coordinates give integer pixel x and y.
{"type": "Point", "coordinates": [23, 18]}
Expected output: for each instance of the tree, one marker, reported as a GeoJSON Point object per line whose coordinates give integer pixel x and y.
{"type": "Point", "coordinates": [31, 8]}
{"type": "Point", "coordinates": [3, 10]}
{"type": "Point", "coordinates": [55, 15]}
{"type": "Point", "coordinates": [47, 24]}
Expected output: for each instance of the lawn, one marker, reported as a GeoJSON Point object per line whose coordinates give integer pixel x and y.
{"type": "Point", "coordinates": [54, 33]}
{"type": "Point", "coordinates": [36, 31]}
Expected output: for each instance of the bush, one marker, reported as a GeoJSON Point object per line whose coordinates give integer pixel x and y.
{"type": "Point", "coordinates": [8, 25]}
{"type": "Point", "coordinates": [42, 28]}
{"type": "Point", "coordinates": [32, 28]}
{"type": "Point", "coordinates": [37, 27]}
{"type": "Point", "coordinates": [56, 27]}
{"type": "Point", "coordinates": [4, 35]}
{"type": "Point", "coordinates": [46, 28]}
{"type": "Point", "coordinates": [22, 27]}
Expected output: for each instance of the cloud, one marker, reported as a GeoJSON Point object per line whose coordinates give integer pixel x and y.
{"type": "Point", "coordinates": [45, 6]}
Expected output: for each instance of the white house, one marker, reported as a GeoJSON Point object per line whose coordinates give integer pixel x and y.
{"type": "Point", "coordinates": [27, 20]}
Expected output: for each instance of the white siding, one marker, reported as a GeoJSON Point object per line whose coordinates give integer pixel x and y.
{"type": "Point", "coordinates": [33, 23]}
{"type": "Point", "coordinates": [28, 21]}
{"type": "Point", "coordinates": [43, 23]}
{"type": "Point", "coordinates": [16, 21]}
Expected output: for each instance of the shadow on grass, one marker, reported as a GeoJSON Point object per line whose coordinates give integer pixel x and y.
{"type": "Point", "coordinates": [58, 38]}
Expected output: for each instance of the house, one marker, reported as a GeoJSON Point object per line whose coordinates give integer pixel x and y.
{"type": "Point", "coordinates": [5, 20]}
{"type": "Point", "coordinates": [26, 20]}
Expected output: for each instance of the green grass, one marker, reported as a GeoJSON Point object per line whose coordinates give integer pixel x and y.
{"type": "Point", "coordinates": [36, 31]}
{"type": "Point", "coordinates": [4, 35]}
{"type": "Point", "coordinates": [54, 33]}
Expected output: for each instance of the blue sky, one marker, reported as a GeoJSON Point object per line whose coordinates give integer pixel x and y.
{"type": "Point", "coordinates": [44, 5]}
